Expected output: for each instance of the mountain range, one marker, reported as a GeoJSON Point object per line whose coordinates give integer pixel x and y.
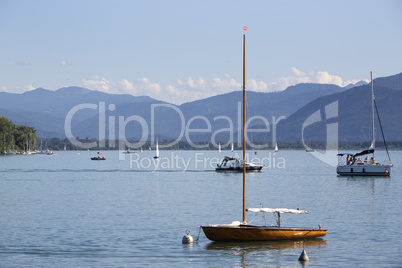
{"type": "Point", "coordinates": [282, 114]}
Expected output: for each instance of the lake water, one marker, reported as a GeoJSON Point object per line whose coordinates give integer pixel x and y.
{"type": "Point", "coordinates": [65, 210]}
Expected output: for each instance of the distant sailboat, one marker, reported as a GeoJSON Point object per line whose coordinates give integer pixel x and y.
{"type": "Point", "coordinates": [219, 147]}
{"type": "Point", "coordinates": [157, 151]}
{"type": "Point", "coordinates": [232, 147]}
{"type": "Point", "coordinates": [276, 147]}
{"type": "Point", "coordinates": [351, 164]}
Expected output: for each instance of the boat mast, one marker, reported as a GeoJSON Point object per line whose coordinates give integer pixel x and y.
{"type": "Point", "coordinates": [372, 110]}
{"type": "Point", "coordinates": [244, 128]}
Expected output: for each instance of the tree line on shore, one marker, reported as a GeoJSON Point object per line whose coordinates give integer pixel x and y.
{"type": "Point", "coordinates": [16, 138]}
{"type": "Point", "coordinates": [21, 138]}
{"type": "Point", "coordinates": [60, 144]}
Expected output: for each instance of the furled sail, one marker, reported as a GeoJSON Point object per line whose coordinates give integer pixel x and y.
{"type": "Point", "coordinates": [277, 210]}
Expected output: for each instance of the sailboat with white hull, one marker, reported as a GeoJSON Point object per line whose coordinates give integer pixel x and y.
{"type": "Point", "coordinates": [351, 164]}
{"type": "Point", "coordinates": [157, 150]}
{"type": "Point", "coordinates": [243, 231]}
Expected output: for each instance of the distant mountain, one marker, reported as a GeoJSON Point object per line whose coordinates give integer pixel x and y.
{"type": "Point", "coordinates": [46, 109]}
{"type": "Point", "coordinates": [214, 112]}
{"type": "Point", "coordinates": [265, 104]}
{"type": "Point", "coordinates": [102, 115]}
{"type": "Point", "coordinates": [352, 116]}
{"type": "Point", "coordinates": [360, 83]}
{"type": "Point", "coordinates": [393, 81]}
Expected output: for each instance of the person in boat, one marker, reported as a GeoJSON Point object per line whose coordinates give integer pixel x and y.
{"type": "Point", "coordinates": [359, 160]}
{"type": "Point", "coordinates": [350, 160]}
{"type": "Point", "coordinates": [372, 160]}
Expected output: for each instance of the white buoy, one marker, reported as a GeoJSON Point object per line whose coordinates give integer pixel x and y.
{"type": "Point", "coordinates": [303, 256]}
{"type": "Point", "coordinates": [187, 239]}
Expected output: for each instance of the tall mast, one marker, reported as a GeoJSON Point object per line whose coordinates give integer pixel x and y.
{"type": "Point", "coordinates": [244, 127]}
{"type": "Point", "coordinates": [372, 110]}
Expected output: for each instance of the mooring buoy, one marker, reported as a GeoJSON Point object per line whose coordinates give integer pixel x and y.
{"type": "Point", "coordinates": [187, 239]}
{"type": "Point", "coordinates": [303, 256]}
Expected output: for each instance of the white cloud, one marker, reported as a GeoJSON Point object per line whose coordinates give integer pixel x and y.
{"type": "Point", "coordinates": [297, 76]}
{"type": "Point", "coordinates": [126, 85]}
{"type": "Point", "coordinates": [147, 87]}
{"type": "Point", "coordinates": [97, 83]}
{"type": "Point", "coordinates": [259, 86]}
{"type": "Point", "coordinates": [173, 91]}
{"type": "Point", "coordinates": [17, 89]}
{"type": "Point", "coordinates": [326, 78]}
{"type": "Point", "coordinates": [191, 89]}
{"type": "Point", "coordinates": [227, 84]}
{"type": "Point", "coordinates": [297, 72]}
{"type": "Point", "coordinates": [30, 87]}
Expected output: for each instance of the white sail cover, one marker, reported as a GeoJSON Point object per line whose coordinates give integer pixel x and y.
{"type": "Point", "coordinates": [277, 210]}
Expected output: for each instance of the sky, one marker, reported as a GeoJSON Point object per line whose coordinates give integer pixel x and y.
{"type": "Point", "coordinates": [181, 51]}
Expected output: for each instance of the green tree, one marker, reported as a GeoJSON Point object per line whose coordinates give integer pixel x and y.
{"type": "Point", "coordinates": [17, 137]}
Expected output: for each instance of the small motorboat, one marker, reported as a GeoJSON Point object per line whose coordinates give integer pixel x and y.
{"type": "Point", "coordinates": [98, 158]}
{"type": "Point", "coordinates": [235, 164]}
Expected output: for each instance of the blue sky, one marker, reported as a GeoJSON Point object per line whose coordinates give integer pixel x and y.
{"type": "Point", "coordinates": [180, 51]}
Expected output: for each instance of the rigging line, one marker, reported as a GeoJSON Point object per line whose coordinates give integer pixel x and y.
{"type": "Point", "coordinates": [364, 134]}
{"type": "Point", "coordinates": [382, 132]}
{"type": "Point", "coordinates": [198, 238]}
{"type": "Point", "coordinates": [252, 218]}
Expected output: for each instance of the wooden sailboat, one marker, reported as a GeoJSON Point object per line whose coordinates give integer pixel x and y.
{"type": "Point", "coordinates": [243, 231]}
{"type": "Point", "coordinates": [157, 150]}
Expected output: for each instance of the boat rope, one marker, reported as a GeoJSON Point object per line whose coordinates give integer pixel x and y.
{"type": "Point", "coordinates": [252, 218]}
{"type": "Point", "coordinates": [198, 238]}
{"type": "Point", "coordinates": [382, 132]}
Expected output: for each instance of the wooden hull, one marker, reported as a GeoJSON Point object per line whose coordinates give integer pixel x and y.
{"type": "Point", "coordinates": [222, 233]}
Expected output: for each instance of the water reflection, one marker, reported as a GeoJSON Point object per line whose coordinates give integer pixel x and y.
{"type": "Point", "coordinates": [359, 178]}
{"type": "Point", "coordinates": [366, 181]}
{"type": "Point", "coordinates": [267, 245]}
{"type": "Point", "coordinates": [261, 248]}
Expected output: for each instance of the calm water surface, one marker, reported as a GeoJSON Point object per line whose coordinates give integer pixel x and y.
{"type": "Point", "coordinates": [65, 210]}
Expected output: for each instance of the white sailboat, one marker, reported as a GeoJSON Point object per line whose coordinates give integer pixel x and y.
{"type": "Point", "coordinates": [351, 164]}
{"type": "Point", "coordinates": [276, 147]}
{"type": "Point", "coordinates": [232, 149]}
{"type": "Point", "coordinates": [157, 150]}
{"type": "Point", "coordinates": [244, 231]}
{"type": "Point", "coordinates": [219, 147]}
